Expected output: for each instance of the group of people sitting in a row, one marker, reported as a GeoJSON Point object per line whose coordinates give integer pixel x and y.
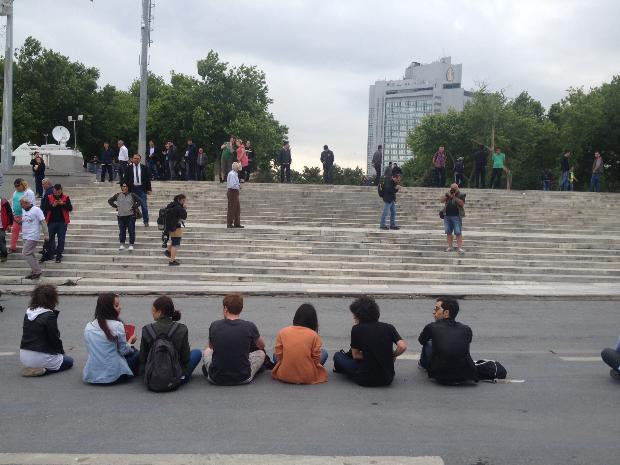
{"type": "Point", "coordinates": [236, 350]}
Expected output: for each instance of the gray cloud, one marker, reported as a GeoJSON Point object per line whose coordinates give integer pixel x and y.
{"type": "Point", "coordinates": [320, 56]}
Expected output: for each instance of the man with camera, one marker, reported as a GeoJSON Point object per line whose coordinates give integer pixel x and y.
{"type": "Point", "coordinates": [390, 188]}
{"type": "Point", "coordinates": [454, 211]}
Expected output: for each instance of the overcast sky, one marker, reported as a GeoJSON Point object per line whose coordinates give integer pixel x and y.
{"type": "Point", "coordinates": [320, 56]}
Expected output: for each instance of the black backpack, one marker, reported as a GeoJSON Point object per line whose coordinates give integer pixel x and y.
{"type": "Point", "coordinates": [380, 189]}
{"type": "Point", "coordinates": [163, 370]}
{"type": "Point", "coordinates": [163, 219]}
{"type": "Point", "coordinates": [490, 370]}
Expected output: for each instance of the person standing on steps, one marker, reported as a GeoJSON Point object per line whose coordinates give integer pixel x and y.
{"type": "Point", "coordinates": [242, 159]}
{"type": "Point", "coordinates": [480, 160]}
{"type": "Point", "coordinates": [249, 150]}
{"type": "Point", "coordinates": [38, 172]}
{"type": "Point", "coordinates": [191, 154]}
{"type": "Point", "coordinates": [32, 222]}
{"type": "Point", "coordinates": [21, 191]}
{"type": "Point", "coordinates": [327, 159]}
{"type": "Point", "coordinates": [226, 159]}
{"type": "Point", "coordinates": [565, 168]}
{"type": "Point", "coordinates": [390, 188]}
{"type": "Point", "coordinates": [597, 172]}
{"type": "Point", "coordinates": [123, 159]}
{"type": "Point", "coordinates": [106, 159]}
{"type": "Point", "coordinates": [454, 211]}
{"type": "Point", "coordinates": [126, 205]}
{"type": "Point", "coordinates": [499, 165]}
{"type": "Point", "coordinates": [151, 157]}
{"type": "Point", "coordinates": [377, 163]}
{"type": "Point", "coordinates": [138, 178]}
{"type": "Point", "coordinates": [6, 222]}
{"type": "Point", "coordinates": [233, 213]}
{"type": "Point", "coordinates": [439, 163]}
{"type": "Point", "coordinates": [201, 162]}
{"type": "Point", "coordinates": [176, 214]}
{"type": "Point", "coordinates": [459, 171]}
{"type": "Point", "coordinates": [57, 217]}
{"type": "Point", "coordinates": [284, 160]}
{"type": "Point", "coordinates": [387, 173]}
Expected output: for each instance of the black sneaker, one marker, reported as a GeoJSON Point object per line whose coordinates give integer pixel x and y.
{"type": "Point", "coordinates": [58, 260]}
{"type": "Point", "coordinates": [385, 228]}
{"type": "Point", "coordinates": [394, 227]}
{"type": "Point", "coordinates": [239, 226]}
{"type": "Point", "coordinates": [173, 263]}
{"type": "Point", "coordinates": [43, 259]}
{"type": "Point", "coordinates": [33, 276]}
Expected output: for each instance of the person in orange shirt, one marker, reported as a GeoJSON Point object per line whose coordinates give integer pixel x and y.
{"type": "Point", "coordinates": [299, 356]}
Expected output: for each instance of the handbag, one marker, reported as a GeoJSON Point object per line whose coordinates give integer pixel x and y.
{"type": "Point", "coordinates": [442, 213]}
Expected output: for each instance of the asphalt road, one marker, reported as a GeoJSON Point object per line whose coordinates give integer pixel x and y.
{"type": "Point", "coordinates": [565, 412]}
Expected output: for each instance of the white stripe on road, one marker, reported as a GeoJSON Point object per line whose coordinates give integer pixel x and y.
{"type": "Point", "coordinates": [7, 354]}
{"type": "Point", "coordinates": [409, 357]}
{"type": "Point", "coordinates": [215, 459]}
{"type": "Point", "coordinates": [581, 359]}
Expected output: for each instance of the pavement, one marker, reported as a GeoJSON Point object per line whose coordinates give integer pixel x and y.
{"type": "Point", "coordinates": [563, 412]}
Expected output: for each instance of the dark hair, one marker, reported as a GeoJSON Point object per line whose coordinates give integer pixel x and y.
{"type": "Point", "coordinates": [233, 303]}
{"type": "Point", "coordinates": [45, 296]}
{"type": "Point", "coordinates": [165, 305]}
{"type": "Point", "coordinates": [124, 184]}
{"type": "Point", "coordinates": [450, 304]}
{"type": "Point", "coordinates": [306, 316]}
{"type": "Point", "coordinates": [104, 310]}
{"type": "Point", "coordinates": [380, 147]}
{"type": "Point", "coordinates": [18, 182]}
{"type": "Point", "coordinates": [365, 309]}
{"type": "Point", "coordinates": [57, 186]}
{"type": "Point", "coordinates": [179, 197]}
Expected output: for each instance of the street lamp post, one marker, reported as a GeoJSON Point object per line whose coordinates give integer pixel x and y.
{"type": "Point", "coordinates": [73, 120]}
{"type": "Point", "coordinates": [6, 150]}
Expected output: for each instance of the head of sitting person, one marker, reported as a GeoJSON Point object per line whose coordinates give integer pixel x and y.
{"type": "Point", "coordinates": [233, 305]}
{"type": "Point", "coordinates": [163, 307]}
{"type": "Point", "coordinates": [365, 310]}
{"type": "Point", "coordinates": [446, 308]}
{"type": "Point", "coordinates": [306, 316]}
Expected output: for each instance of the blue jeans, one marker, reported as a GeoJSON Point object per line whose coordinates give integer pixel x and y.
{"type": "Point", "coordinates": [133, 360]}
{"type": "Point", "coordinates": [140, 192]}
{"type": "Point", "coordinates": [564, 183]}
{"type": "Point", "coordinates": [425, 356]}
{"type": "Point", "coordinates": [546, 185]}
{"type": "Point", "coordinates": [345, 364]}
{"type": "Point", "coordinates": [153, 168]}
{"type": "Point", "coordinates": [195, 356]}
{"type": "Point", "coordinates": [67, 363]}
{"type": "Point", "coordinates": [56, 229]}
{"type": "Point", "coordinates": [453, 224]}
{"type": "Point", "coordinates": [595, 182]}
{"type": "Point", "coordinates": [324, 356]}
{"type": "Point", "coordinates": [388, 207]}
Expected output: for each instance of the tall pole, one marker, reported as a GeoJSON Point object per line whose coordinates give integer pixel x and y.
{"type": "Point", "coordinates": [144, 61]}
{"type": "Point", "coordinates": [7, 97]}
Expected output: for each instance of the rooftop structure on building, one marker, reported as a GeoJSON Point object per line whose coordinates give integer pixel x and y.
{"type": "Point", "coordinates": [397, 106]}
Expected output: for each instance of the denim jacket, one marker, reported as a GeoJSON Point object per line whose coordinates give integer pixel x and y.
{"type": "Point", "coordinates": [106, 361]}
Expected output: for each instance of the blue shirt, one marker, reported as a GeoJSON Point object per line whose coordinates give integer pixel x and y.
{"type": "Point", "coordinates": [232, 180]}
{"type": "Point", "coordinates": [106, 359]}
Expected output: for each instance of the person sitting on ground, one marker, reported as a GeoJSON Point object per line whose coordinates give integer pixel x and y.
{"type": "Point", "coordinates": [176, 214]}
{"type": "Point", "coordinates": [299, 357]}
{"type": "Point", "coordinates": [41, 350]}
{"type": "Point", "coordinates": [236, 351]}
{"type": "Point", "coordinates": [110, 356]}
{"type": "Point", "coordinates": [371, 359]}
{"type": "Point", "coordinates": [166, 316]}
{"type": "Point", "coordinates": [612, 358]}
{"type": "Point", "coordinates": [445, 346]}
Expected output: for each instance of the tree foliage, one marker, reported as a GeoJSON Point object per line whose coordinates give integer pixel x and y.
{"type": "Point", "coordinates": [532, 138]}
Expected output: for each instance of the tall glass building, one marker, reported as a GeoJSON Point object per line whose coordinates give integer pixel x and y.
{"type": "Point", "coordinates": [396, 107]}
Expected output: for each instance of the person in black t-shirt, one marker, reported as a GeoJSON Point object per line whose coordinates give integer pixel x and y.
{"type": "Point", "coordinates": [454, 210]}
{"type": "Point", "coordinates": [371, 359]}
{"type": "Point", "coordinates": [236, 351]}
{"type": "Point", "coordinates": [445, 346]}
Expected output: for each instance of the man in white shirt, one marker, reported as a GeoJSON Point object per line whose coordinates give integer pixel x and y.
{"type": "Point", "coordinates": [123, 159]}
{"type": "Point", "coordinates": [32, 222]}
{"type": "Point", "coordinates": [233, 214]}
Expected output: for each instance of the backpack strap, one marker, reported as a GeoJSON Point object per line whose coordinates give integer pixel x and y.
{"type": "Point", "coordinates": [151, 332]}
{"type": "Point", "coordinates": [173, 329]}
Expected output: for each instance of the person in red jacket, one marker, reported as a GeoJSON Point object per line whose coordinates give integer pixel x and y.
{"type": "Point", "coordinates": [6, 216]}
{"type": "Point", "coordinates": [57, 218]}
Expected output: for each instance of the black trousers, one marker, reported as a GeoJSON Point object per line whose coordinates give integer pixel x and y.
{"type": "Point", "coordinates": [107, 168]}
{"type": "Point", "coordinates": [496, 178]}
{"type": "Point", "coordinates": [377, 174]}
{"type": "Point", "coordinates": [479, 175]}
{"type": "Point", "coordinates": [327, 174]}
{"type": "Point", "coordinates": [285, 169]}
{"type": "Point", "coordinates": [440, 176]}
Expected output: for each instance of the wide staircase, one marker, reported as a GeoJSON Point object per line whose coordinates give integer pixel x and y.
{"type": "Point", "coordinates": [315, 239]}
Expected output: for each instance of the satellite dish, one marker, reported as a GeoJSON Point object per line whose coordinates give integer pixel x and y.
{"type": "Point", "coordinates": [61, 134]}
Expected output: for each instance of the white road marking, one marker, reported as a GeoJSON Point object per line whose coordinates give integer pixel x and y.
{"type": "Point", "coordinates": [409, 357]}
{"type": "Point", "coordinates": [214, 459]}
{"type": "Point", "coordinates": [581, 359]}
{"type": "Point", "coordinates": [7, 354]}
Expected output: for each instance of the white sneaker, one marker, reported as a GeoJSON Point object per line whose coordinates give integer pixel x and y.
{"type": "Point", "coordinates": [449, 249]}
{"type": "Point", "coordinates": [461, 251]}
{"type": "Point", "coordinates": [121, 247]}
{"type": "Point", "coordinates": [130, 248]}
